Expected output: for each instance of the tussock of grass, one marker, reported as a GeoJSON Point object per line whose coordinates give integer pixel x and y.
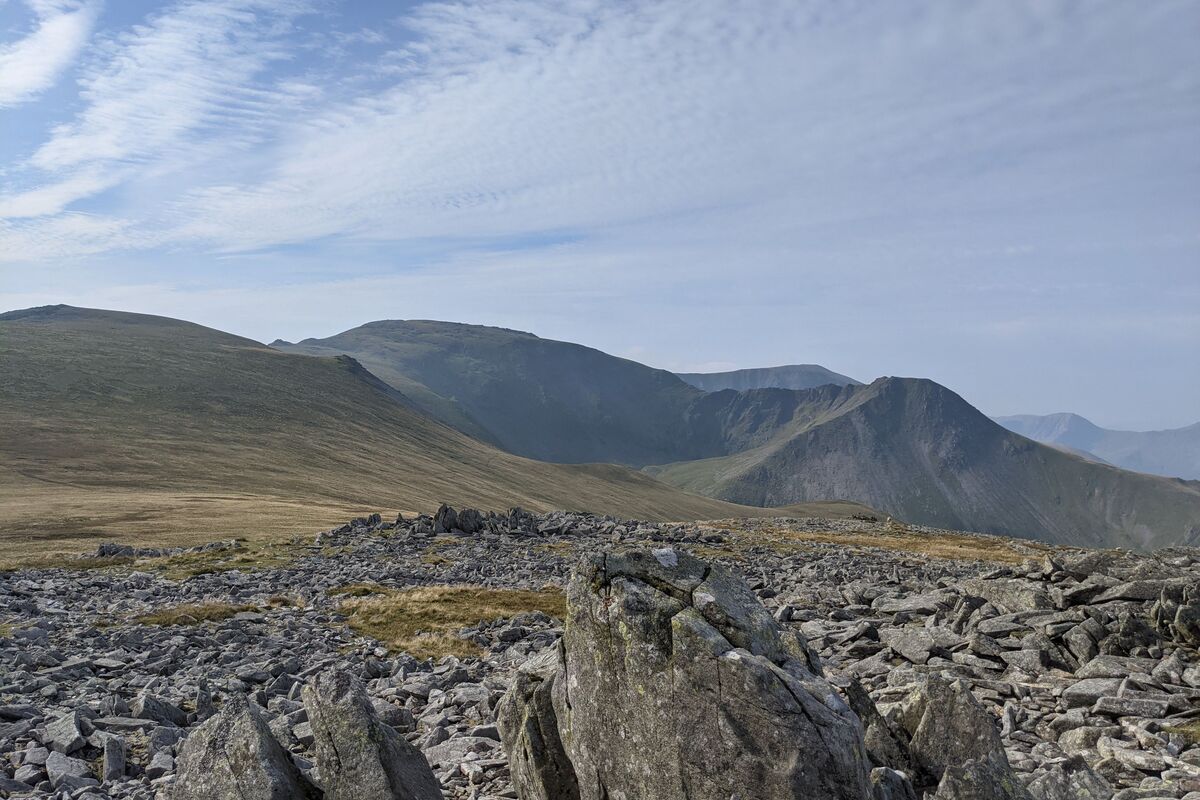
{"type": "Point", "coordinates": [425, 622]}
{"type": "Point", "coordinates": [434, 559]}
{"type": "Point", "coordinates": [189, 565]}
{"type": "Point", "coordinates": [193, 614]}
{"type": "Point", "coordinates": [5, 630]}
{"type": "Point", "coordinates": [560, 549]}
{"type": "Point", "coordinates": [356, 590]}
{"type": "Point", "coordinates": [1188, 730]}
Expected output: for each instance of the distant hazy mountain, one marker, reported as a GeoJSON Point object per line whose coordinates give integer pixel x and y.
{"type": "Point", "coordinates": [908, 447]}
{"type": "Point", "coordinates": [792, 376]}
{"type": "Point", "coordinates": [1175, 453]}
{"type": "Point", "coordinates": [917, 450]}
{"type": "Point", "coordinates": [114, 420]}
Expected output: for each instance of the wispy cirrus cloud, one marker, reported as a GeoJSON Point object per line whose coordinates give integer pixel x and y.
{"type": "Point", "coordinates": [34, 63]}
{"type": "Point", "coordinates": [162, 91]}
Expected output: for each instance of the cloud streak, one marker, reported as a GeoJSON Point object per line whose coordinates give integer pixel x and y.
{"type": "Point", "coordinates": [33, 64]}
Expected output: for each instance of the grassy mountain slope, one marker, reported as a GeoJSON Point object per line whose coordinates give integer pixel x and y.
{"type": "Point", "coordinates": [1174, 453]}
{"type": "Point", "coordinates": [114, 422]}
{"type": "Point", "coordinates": [917, 450]}
{"type": "Point", "coordinates": [791, 376]}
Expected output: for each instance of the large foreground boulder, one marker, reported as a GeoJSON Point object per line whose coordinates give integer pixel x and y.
{"type": "Point", "coordinates": [671, 682]}
{"type": "Point", "coordinates": [358, 757]}
{"type": "Point", "coordinates": [234, 755]}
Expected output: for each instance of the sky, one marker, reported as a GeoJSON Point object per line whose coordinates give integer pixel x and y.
{"type": "Point", "coordinates": [1001, 196]}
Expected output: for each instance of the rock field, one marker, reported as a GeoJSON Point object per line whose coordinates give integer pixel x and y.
{"type": "Point", "coordinates": [1068, 674]}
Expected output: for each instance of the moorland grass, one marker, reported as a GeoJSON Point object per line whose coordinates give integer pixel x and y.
{"type": "Point", "coordinates": [424, 622]}
{"type": "Point", "coordinates": [193, 614]}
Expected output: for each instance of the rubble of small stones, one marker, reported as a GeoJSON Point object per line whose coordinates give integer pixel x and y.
{"type": "Point", "coordinates": [1084, 663]}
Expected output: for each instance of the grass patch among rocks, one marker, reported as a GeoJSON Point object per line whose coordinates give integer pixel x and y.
{"type": "Point", "coordinates": [425, 622]}
{"type": "Point", "coordinates": [356, 590]}
{"type": "Point", "coordinates": [897, 538]}
{"type": "Point", "coordinates": [194, 614]}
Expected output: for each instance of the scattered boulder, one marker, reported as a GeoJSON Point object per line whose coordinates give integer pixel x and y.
{"type": "Point", "coordinates": [358, 757]}
{"type": "Point", "coordinates": [233, 754]}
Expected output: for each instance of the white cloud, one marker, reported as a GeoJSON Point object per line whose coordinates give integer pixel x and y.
{"type": "Point", "coordinates": [33, 64]}
{"type": "Point", "coordinates": [185, 76]}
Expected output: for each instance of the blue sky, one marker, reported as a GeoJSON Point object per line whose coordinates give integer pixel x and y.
{"type": "Point", "coordinates": [1002, 196]}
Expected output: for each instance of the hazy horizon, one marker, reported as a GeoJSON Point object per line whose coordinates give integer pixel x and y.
{"type": "Point", "coordinates": [1000, 197]}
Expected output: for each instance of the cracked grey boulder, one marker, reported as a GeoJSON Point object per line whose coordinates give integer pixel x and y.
{"type": "Point", "coordinates": [358, 757]}
{"type": "Point", "coordinates": [677, 683]}
{"type": "Point", "coordinates": [1072, 779]}
{"type": "Point", "coordinates": [949, 727]}
{"type": "Point", "coordinates": [540, 767]}
{"type": "Point", "coordinates": [981, 779]}
{"type": "Point", "coordinates": [233, 754]}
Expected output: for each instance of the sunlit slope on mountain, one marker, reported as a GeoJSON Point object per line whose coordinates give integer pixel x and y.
{"type": "Point", "coordinates": [1174, 453]}
{"type": "Point", "coordinates": [128, 405]}
{"type": "Point", "coordinates": [790, 376]}
{"type": "Point", "coordinates": [915, 449]}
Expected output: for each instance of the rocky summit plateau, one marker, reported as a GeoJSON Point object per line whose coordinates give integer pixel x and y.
{"type": "Point", "coordinates": [566, 655]}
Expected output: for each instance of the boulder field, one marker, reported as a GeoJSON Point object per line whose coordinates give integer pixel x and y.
{"type": "Point", "coordinates": [796, 658]}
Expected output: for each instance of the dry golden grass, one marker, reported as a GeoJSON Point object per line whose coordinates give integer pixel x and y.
{"type": "Point", "coordinates": [947, 546]}
{"type": "Point", "coordinates": [1188, 730]}
{"type": "Point", "coordinates": [5, 630]}
{"type": "Point", "coordinates": [560, 549]}
{"type": "Point", "coordinates": [425, 622]}
{"type": "Point", "coordinates": [434, 559]}
{"type": "Point", "coordinates": [193, 614]}
{"type": "Point", "coordinates": [34, 534]}
{"type": "Point", "coordinates": [356, 590]}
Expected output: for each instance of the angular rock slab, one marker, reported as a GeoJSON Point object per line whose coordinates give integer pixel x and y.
{"type": "Point", "coordinates": [358, 757]}
{"type": "Point", "coordinates": [234, 755]}
{"type": "Point", "coordinates": [677, 683]}
{"type": "Point", "coordinates": [538, 762]}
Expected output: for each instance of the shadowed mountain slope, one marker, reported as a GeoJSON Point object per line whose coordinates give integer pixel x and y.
{"type": "Point", "coordinates": [126, 410]}
{"type": "Point", "coordinates": [540, 398]}
{"type": "Point", "coordinates": [791, 376]}
{"type": "Point", "coordinates": [1175, 453]}
{"type": "Point", "coordinates": [917, 450]}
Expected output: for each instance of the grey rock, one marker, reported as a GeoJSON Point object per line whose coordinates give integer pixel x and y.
{"type": "Point", "coordinates": [681, 685]}
{"type": "Point", "coordinates": [113, 767]}
{"type": "Point", "coordinates": [233, 754]}
{"type": "Point", "coordinates": [147, 706]}
{"type": "Point", "coordinates": [61, 768]}
{"type": "Point", "coordinates": [540, 766]}
{"type": "Point", "coordinates": [948, 727]}
{"type": "Point", "coordinates": [358, 757]}
{"type": "Point", "coordinates": [66, 734]}
{"type": "Point", "coordinates": [980, 779]}
{"type": "Point", "coordinates": [1072, 779]}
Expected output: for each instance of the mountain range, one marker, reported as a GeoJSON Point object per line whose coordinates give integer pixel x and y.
{"type": "Point", "coordinates": [107, 416]}
{"type": "Point", "coordinates": [906, 446]}
{"type": "Point", "coordinates": [1175, 453]}
{"type": "Point", "coordinates": [112, 421]}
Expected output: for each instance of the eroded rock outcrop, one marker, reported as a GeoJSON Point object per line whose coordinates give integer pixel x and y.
{"type": "Point", "coordinates": [675, 682]}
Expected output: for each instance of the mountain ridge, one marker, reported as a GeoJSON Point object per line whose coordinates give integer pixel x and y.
{"type": "Point", "coordinates": [787, 376]}
{"type": "Point", "coordinates": [935, 460]}
{"type": "Point", "coordinates": [1173, 452]}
